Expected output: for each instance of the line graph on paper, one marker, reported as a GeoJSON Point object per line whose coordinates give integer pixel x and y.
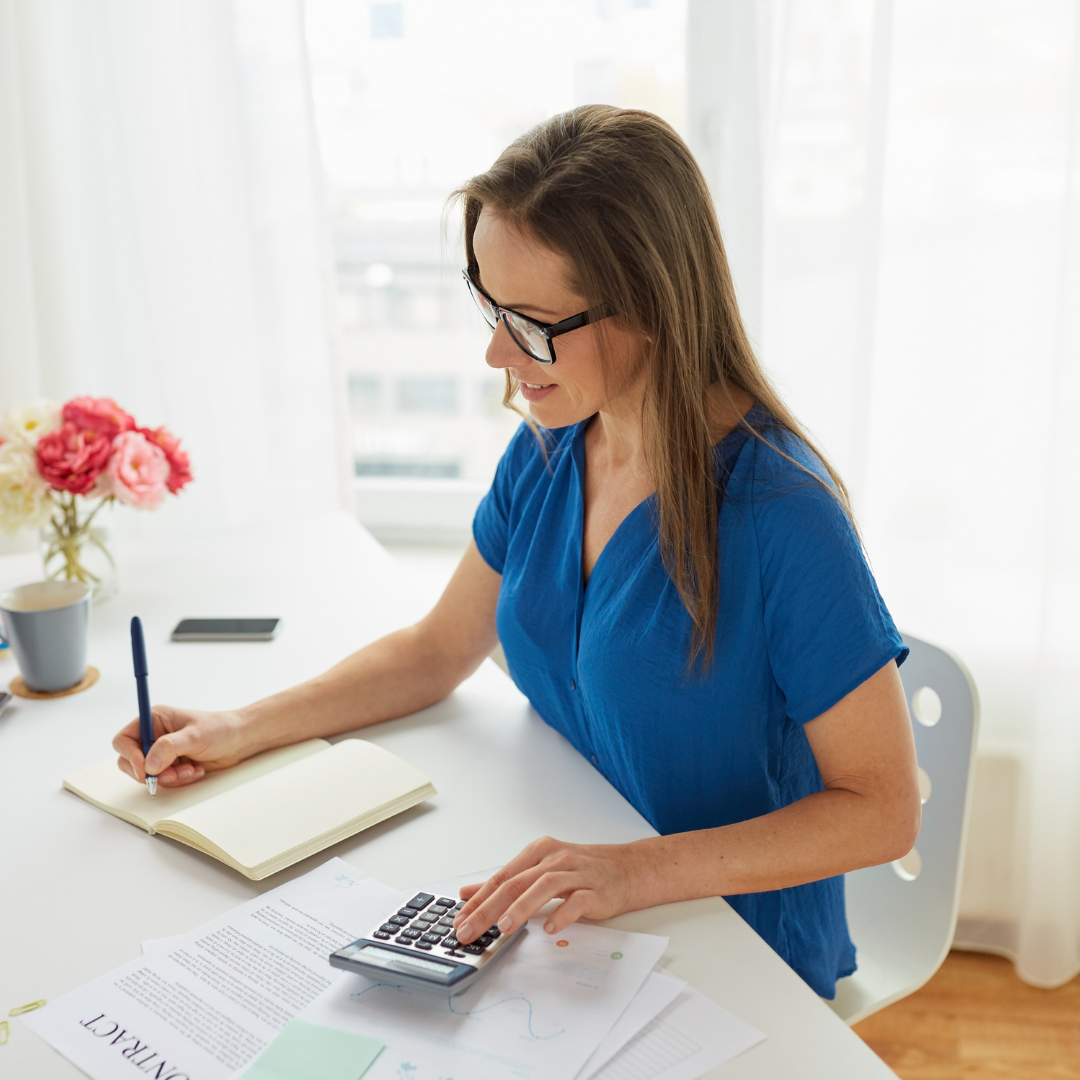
{"type": "Point", "coordinates": [535, 1030]}
{"type": "Point", "coordinates": [533, 1034]}
{"type": "Point", "coordinates": [656, 1048]}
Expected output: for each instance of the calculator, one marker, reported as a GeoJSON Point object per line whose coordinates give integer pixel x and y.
{"type": "Point", "coordinates": [415, 944]}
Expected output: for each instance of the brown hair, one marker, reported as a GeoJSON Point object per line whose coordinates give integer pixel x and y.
{"type": "Point", "coordinates": [619, 193]}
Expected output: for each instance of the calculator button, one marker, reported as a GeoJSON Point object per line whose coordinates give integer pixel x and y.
{"type": "Point", "coordinates": [398, 920]}
{"type": "Point", "coordinates": [388, 928]}
{"type": "Point", "coordinates": [402, 941]}
{"type": "Point", "coordinates": [451, 942]}
{"type": "Point", "coordinates": [474, 949]}
{"type": "Point", "coordinates": [484, 940]}
{"type": "Point", "coordinates": [447, 923]}
{"type": "Point", "coordinates": [423, 945]}
{"type": "Point", "coordinates": [433, 938]}
{"type": "Point", "coordinates": [421, 900]}
{"type": "Point", "coordinates": [381, 936]}
{"type": "Point", "coordinates": [420, 925]}
{"type": "Point", "coordinates": [444, 902]}
{"type": "Point", "coordinates": [493, 933]}
{"type": "Point", "coordinates": [459, 905]}
{"type": "Point", "coordinates": [409, 912]}
{"type": "Point", "coordinates": [411, 933]}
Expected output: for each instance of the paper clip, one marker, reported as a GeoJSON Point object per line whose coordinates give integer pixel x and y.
{"type": "Point", "coordinates": [20, 1009]}
{"type": "Point", "coordinates": [5, 1031]}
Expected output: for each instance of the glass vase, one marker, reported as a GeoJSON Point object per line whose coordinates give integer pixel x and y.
{"type": "Point", "coordinates": [74, 547]}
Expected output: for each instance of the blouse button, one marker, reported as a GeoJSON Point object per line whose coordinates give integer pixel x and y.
{"type": "Point", "coordinates": [573, 685]}
{"type": "Point", "coordinates": [594, 761]}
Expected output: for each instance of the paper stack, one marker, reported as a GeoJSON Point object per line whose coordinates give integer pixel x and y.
{"type": "Point", "coordinates": [588, 1004]}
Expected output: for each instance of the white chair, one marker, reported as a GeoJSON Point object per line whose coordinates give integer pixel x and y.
{"type": "Point", "coordinates": [902, 915]}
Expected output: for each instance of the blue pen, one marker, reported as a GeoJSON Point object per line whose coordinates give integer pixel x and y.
{"type": "Point", "coordinates": [146, 718]}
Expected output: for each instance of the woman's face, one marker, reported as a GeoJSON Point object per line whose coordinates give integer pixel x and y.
{"type": "Point", "coordinates": [519, 273]}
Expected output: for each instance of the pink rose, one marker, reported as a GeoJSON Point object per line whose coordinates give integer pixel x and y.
{"type": "Point", "coordinates": [179, 462]}
{"type": "Point", "coordinates": [72, 460]}
{"type": "Point", "coordinates": [98, 414]}
{"type": "Point", "coordinates": [138, 471]}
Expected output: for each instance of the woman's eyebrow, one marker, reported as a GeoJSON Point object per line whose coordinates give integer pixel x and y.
{"type": "Point", "coordinates": [523, 308]}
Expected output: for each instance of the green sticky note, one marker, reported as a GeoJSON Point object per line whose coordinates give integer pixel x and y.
{"type": "Point", "coordinates": [306, 1051]}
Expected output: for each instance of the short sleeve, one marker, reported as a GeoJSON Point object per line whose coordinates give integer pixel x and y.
{"type": "Point", "coordinates": [491, 523]}
{"type": "Point", "coordinates": [827, 627]}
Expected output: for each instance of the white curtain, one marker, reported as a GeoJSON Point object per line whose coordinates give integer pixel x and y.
{"type": "Point", "coordinates": [161, 241]}
{"type": "Point", "coordinates": [916, 295]}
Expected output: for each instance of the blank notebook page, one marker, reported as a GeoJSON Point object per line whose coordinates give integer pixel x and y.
{"type": "Point", "coordinates": [295, 805]}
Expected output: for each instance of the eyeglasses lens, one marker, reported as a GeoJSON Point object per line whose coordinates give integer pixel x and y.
{"type": "Point", "coordinates": [529, 337]}
{"type": "Point", "coordinates": [491, 316]}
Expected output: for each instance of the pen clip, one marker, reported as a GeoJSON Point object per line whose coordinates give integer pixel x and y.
{"type": "Point", "coordinates": [138, 648]}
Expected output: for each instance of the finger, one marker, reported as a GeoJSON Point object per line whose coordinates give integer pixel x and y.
{"type": "Point", "coordinates": [169, 747]}
{"type": "Point", "coordinates": [127, 745]}
{"type": "Point", "coordinates": [128, 733]}
{"type": "Point", "coordinates": [181, 773]}
{"type": "Point", "coordinates": [528, 857]}
{"type": "Point", "coordinates": [547, 886]}
{"type": "Point", "coordinates": [491, 910]}
{"type": "Point", "coordinates": [125, 766]}
{"type": "Point", "coordinates": [574, 907]}
{"type": "Point", "coordinates": [467, 892]}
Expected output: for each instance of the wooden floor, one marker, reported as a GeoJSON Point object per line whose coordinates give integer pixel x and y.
{"type": "Point", "coordinates": [975, 1020]}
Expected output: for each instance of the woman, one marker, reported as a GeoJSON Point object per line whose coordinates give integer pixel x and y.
{"type": "Point", "coordinates": [671, 569]}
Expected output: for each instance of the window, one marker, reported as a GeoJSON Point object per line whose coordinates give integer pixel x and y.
{"type": "Point", "coordinates": [411, 99]}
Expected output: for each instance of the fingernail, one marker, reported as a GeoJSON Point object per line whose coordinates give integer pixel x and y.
{"type": "Point", "coordinates": [505, 923]}
{"type": "Point", "coordinates": [464, 930]}
{"type": "Point", "coordinates": [549, 928]}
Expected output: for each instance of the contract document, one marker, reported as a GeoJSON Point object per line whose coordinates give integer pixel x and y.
{"type": "Point", "coordinates": [204, 1005]}
{"type": "Point", "coordinates": [587, 1003]}
{"type": "Point", "coordinates": [537, 1015]}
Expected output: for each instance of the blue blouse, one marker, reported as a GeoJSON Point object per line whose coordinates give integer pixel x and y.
{"type": "Point", "coordinates": [800, 625]}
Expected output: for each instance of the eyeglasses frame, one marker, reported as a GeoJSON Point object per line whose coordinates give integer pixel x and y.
{"type": "Point", "coordinates": [548, 330]}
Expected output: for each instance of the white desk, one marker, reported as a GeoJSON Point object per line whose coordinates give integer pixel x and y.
{"type": "Point", "coordinates": [79, 889]}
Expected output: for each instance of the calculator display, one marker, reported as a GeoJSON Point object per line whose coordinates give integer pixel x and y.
{"type": "Point", "coordinates": [372, 954]}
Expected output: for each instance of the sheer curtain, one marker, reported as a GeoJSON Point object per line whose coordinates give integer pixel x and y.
{"type": "Point", "coordinates": [161, 240]}
{"type": "Point", "coordinates": [915, 292]}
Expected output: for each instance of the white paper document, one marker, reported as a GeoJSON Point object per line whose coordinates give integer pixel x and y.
{"type": "Point", "coordinates": [207, 1003]}
{"type": "Point", "coordinates": [537, 1015]}
{"type": "Point", "coordinates": [687, 1039]}
{"type": "Point", "coordinates": [658, 991]}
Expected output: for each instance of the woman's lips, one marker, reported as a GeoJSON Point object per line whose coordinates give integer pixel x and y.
{"type": "Point", "coordinates": [537, 392]}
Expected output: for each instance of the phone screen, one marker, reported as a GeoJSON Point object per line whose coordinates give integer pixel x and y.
{"type": "Point", "coordinates": [225, 627]}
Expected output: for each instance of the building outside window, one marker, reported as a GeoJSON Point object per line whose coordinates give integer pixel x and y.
{"type": "Point", "coordinates": [412, 98]}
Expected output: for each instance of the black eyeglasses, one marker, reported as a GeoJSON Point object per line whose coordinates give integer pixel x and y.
{"type": "Point", "coordinates": [531, 336]}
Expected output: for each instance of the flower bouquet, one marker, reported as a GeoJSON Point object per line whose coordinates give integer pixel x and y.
{"type": "Point", "coordinates": [59, 465]}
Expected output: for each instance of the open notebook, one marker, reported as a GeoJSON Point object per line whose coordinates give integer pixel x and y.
{"type": "Point", "coordinates": [270, 811]}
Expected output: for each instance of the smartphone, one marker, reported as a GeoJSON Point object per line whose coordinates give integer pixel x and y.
{"type": "Point", "coordinates": [225, 629]}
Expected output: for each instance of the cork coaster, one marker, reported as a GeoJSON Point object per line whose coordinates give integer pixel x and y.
{"type": "Point", "coordinates": [20, 689]}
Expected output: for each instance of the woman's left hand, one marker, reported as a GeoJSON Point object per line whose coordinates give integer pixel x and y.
{"type": "Point", "coordinates": [594, 881]}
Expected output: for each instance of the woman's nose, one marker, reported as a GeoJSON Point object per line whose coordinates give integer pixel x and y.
{"type": "Point", "coordinates": [502, 352]}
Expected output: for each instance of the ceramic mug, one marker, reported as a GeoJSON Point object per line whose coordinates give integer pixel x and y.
{"type": "Point", "coordinates": [47, 625]}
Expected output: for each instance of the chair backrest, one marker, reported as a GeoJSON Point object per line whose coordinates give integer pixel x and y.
{"type": "Point", "coordinates": [902, 916]}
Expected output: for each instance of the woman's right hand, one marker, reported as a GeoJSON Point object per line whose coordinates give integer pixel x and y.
{"type": "Point", "coordinates": [187, 744]}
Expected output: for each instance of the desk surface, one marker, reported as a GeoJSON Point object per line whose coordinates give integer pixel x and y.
{"type": "Point", "coordinates": [72, 875]}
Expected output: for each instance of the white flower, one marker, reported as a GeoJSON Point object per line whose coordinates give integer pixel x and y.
{"type": "Point", "coordinates": [27, 423]}
{"type": "Point", "coordinates": [24, 495]}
